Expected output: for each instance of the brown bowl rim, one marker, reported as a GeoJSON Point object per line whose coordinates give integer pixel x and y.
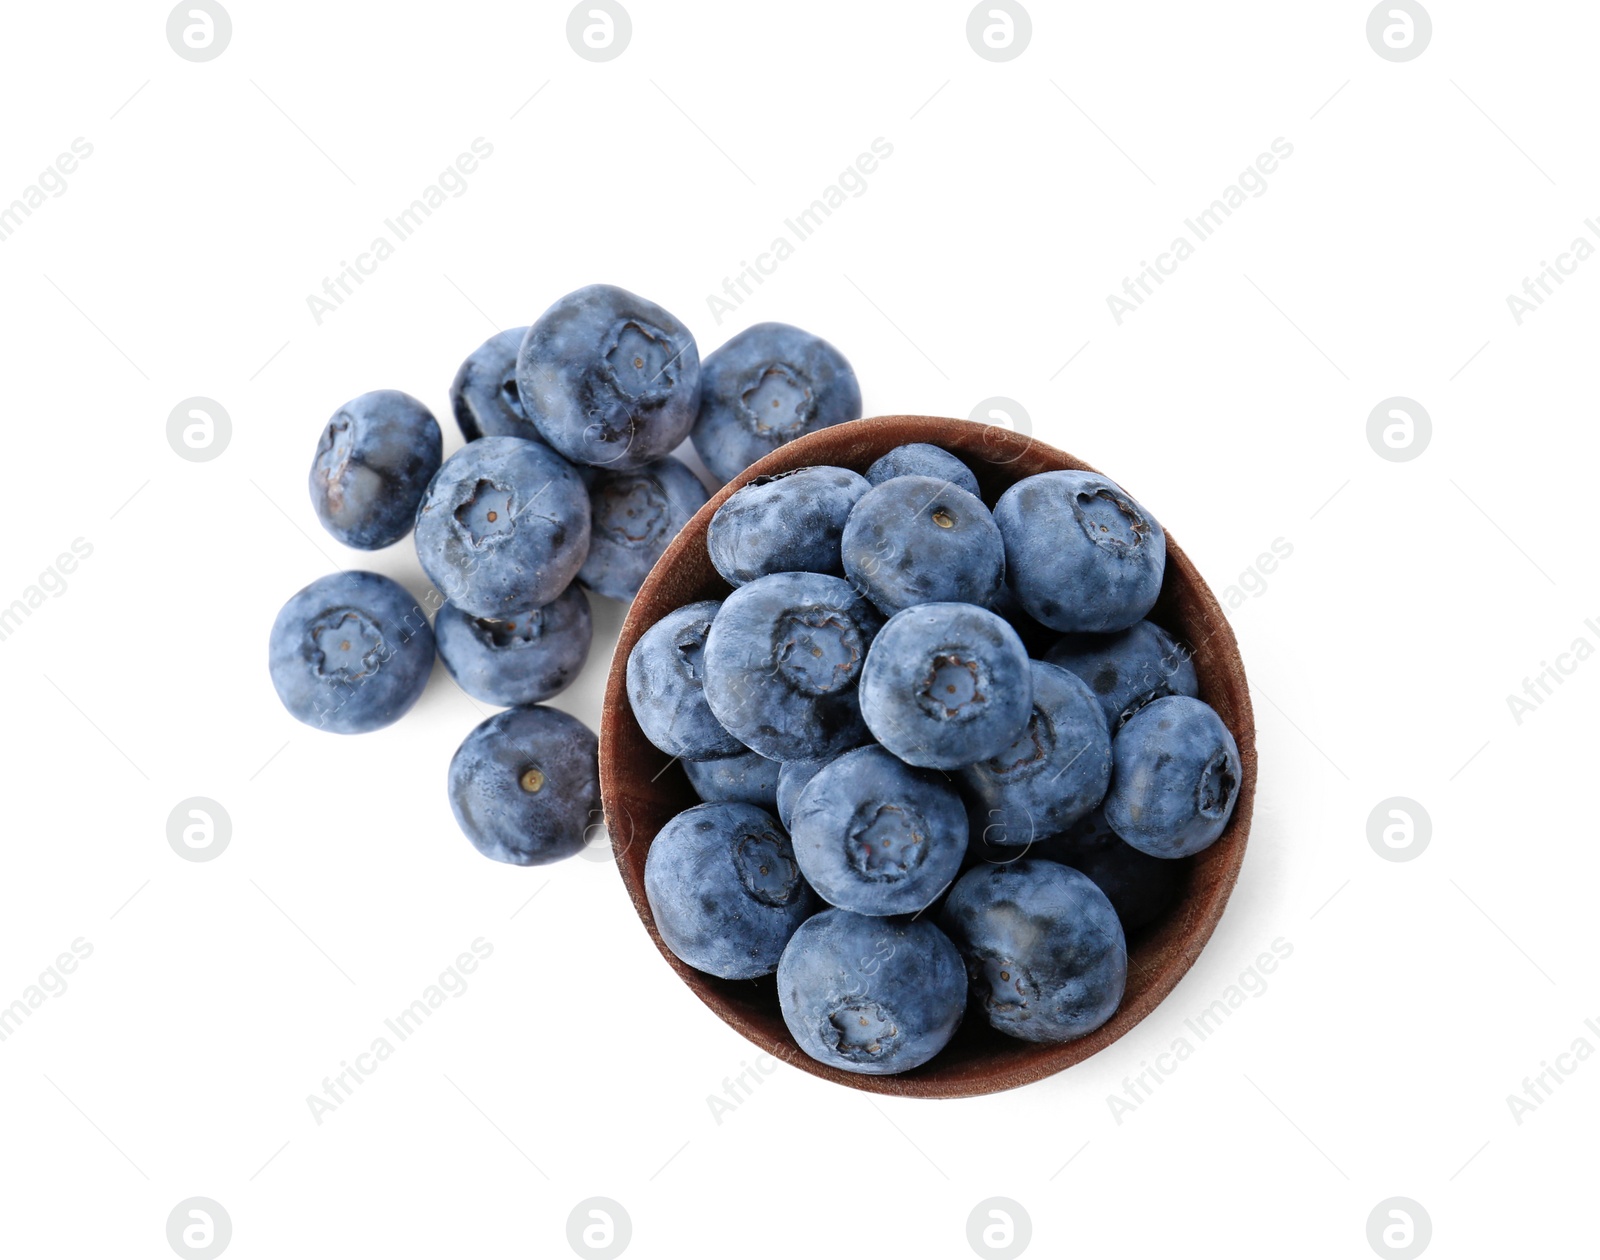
{"type": "Point", "coordinates": [1178, 940]}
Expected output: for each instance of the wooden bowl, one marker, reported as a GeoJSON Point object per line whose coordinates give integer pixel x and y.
{"type": "Point", "coordinates": [642, 788]}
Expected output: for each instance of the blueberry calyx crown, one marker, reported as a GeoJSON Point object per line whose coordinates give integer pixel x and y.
{"type": "Point", "coordinates": [778, 402]}
{"type": "Point", "coordinates": [1110, 519]}
{"type": "Point", "coordinates": [861, 1031]}
{"type": "Point", "coordinates": [817, 650]}
{"type": "Point", "coordinates": [767, 870]}
{"type": "Point", "coordinates": [631, 511]}
{"type": "Point", "coordinates": [887, 842]}
{"type": "Point", "coordinates": [639, 365]}
{"type": "Point", "coordinates": [953, 682]}
{"type": "Point", "coordinates": [489, 512]}
{"type": "Point", "coordinates": [344, 645]}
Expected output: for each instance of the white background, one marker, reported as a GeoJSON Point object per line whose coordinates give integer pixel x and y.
{"type": "Point", "coordinates": [977, 263]}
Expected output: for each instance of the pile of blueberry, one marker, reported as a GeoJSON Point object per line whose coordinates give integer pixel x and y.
{"type": "Point", "coordinates": [567, 482]}
{"type": "Point", "coordinates": [900, 806]}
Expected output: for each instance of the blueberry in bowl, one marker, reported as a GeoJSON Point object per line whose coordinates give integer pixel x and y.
{"type": "Point", "coordinates": [1055, 772]}
{"type": "Point", "coordinates": [877, 836]}
{"type": "Point", "coordinates": [1044, 949]}
{"type": "Point", "coordinates": [792, 779]}
{"type": "Point", "coordinates": [1177, 902]}
{"type": "Point", "coordinates": [1175, 779]}
{"type": "Point", "coordinates": [1128, 669]}
{"type": "Point", "coordinates": [946, 685]}
{"type": "Point", "coordinates": [922, 540]}
{"type": "Point", "coordinates": [791, 522]}
{"type": "Point", "coordinates": [868, 995]}
{"type": "Point", "coordinates": [747, 776]}
{"type": "Point", "coordinates": [1081, 552]}
{"type": "Point", "coordinates": [923, 459]}
{"type": "Point", "coordinates": [725, 889]}
{"type": "Point", "coordinates": [782, 662]}
{"type": "Point", "coordinates": [666, 689]}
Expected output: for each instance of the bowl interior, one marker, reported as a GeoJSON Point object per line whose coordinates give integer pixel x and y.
{"type": "Point", "coordinates": [643, 789]}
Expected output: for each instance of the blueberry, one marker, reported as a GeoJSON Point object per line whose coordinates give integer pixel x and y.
{"type": "Point", "coordinates": [871, 995]}
{"type": "Point", "coordinates": [1141, 888]}
{"type": "Point", "coordinates": [484, 395]}
{"type": "Point", "coordinates": [1044, 950]}
{"type": "Point", "coordinates": [1174, 778]}
{"type": "Point", "coordinates": [1081, 553]}
{"type": "Point", "coordinates": [946, 685]}
{"type": "Point", "coordinates": [350, 653]}
{"type": "Point", "coordinates": [748, 777]}
{"type": "Point", "coordinates": [782, 661]}
{"type": "Point", "coordinates": [787, 523]}
{"type": "Point", "coordinates": [920, 459]}
{"type": "Point", "coordinates": [524, 660]}
{"type": "Point", "coordinates": [724, 889]}
{"type": "Point", "coordinates": [664, 677]}
{"type": "Point", "coordinates": [766, 386]}
{"type": "Point", "coordinates": [635, 514]}
{"type": "Point", "coordinates": [373, 462]}
{"type": "Point", "coordinates": [1053, 773]}
{"type": "Point", "coordinates": [877, 836]}
{"type": "Point", "coordinates": [525, 785]}
{"type": "Point", "coordinates": [792, 778]}
{"type": "Point", "coordinates": [609, 378]}
{"type": "Point", "coordinates": [1128, 669]}
{"type": "Point", "coordinates": [920, 540]}
{"type": "Point", "coordinates": [504, 527]}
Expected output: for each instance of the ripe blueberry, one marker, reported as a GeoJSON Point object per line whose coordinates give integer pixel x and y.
{"type": "Point", "coordinates": [523, 660]}
{"type": "Point", "coordinates": [1174, 779]}
{"type": "Point", "coordinates": [946, 685]}
{"type": "Point", "coordinates": [350, 653]}
{"type": "Point", "coordinates": [609, 378]}
{"type": "Point", "coordinates": [871, 995]}
{"type": "Point", "coordinates": [525, 785]}
{"type": "Point", "coordinates": [504, 527]}
{"type": "Point", "coordinates": [724, 889]}
{"type": "Point", "coordinates": [1045, 953]}
{"type": "Point", "coordinates": [766, 386]}
{"type": "Point", "coordinates": [374, 460]}
{"type": "Point", "coordinates": [787, 523]}
{"type": "Point", "coordinates": [1081, 553]}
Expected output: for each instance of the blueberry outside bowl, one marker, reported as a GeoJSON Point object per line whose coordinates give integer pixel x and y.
{"type": "Point", "coordinates": [641, 791]}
